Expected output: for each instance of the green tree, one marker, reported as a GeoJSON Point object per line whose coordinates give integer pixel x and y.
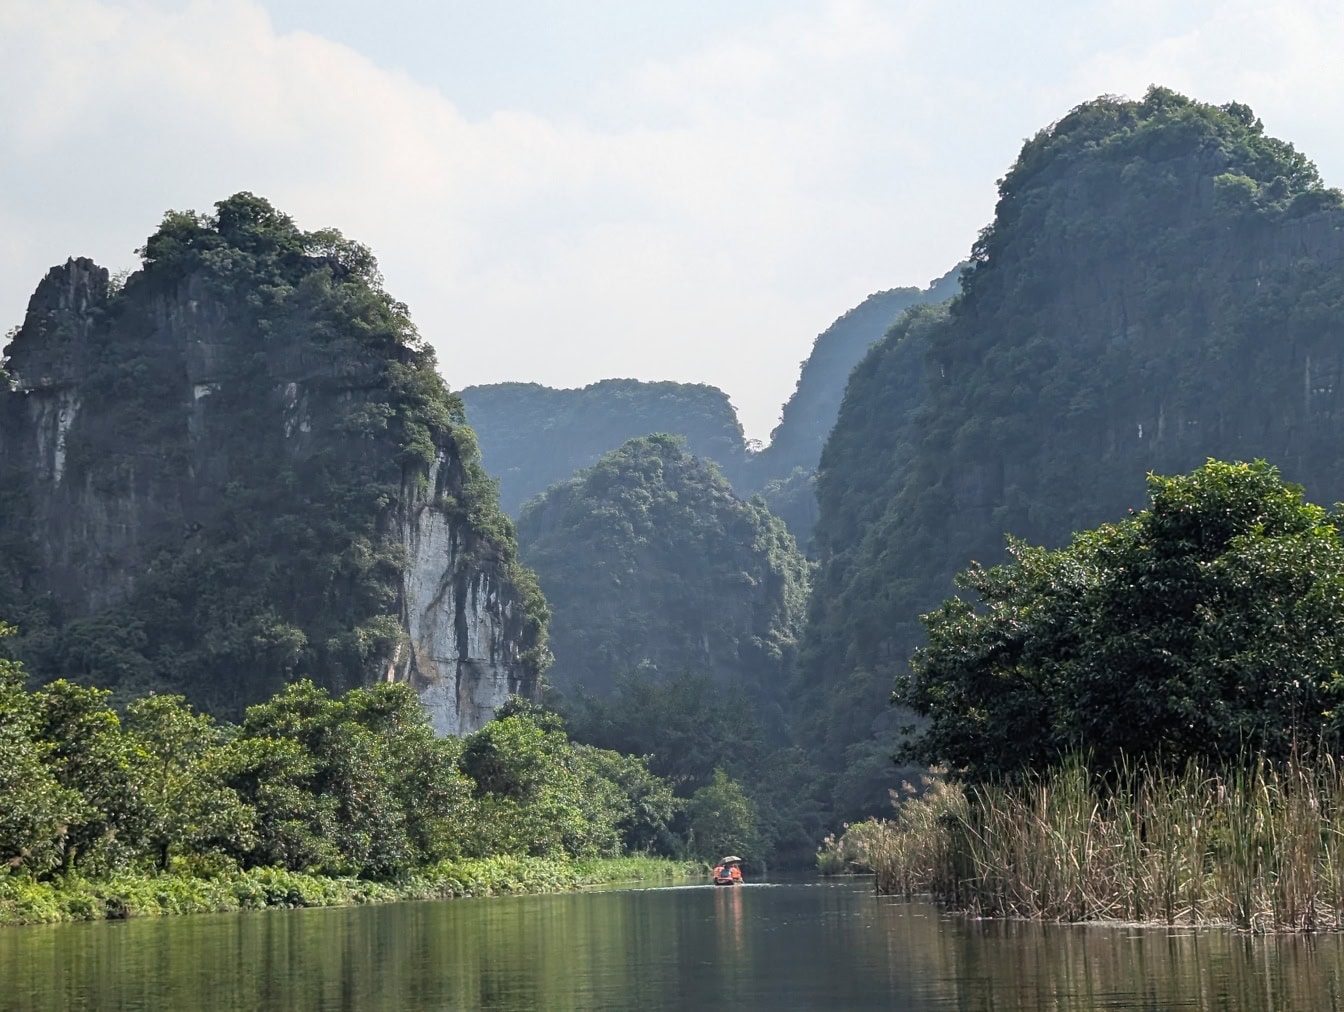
{"type": "Point", "coordinates": [419, 769]}
{"type": "Point", "coordinates": [528, 789]}
{"type": "Point", "coordinates": [177, 787]}
{"type": "Point", "coordinates": [35, 808]}
{"type": "Point", "coordinates": [1210, 625]}
{"type": "Point", "coordinates": [722, 820]}
{"type": "Point", "coordinates": [89, 754]}
{"type": "Point", "coordinates": [639, 807]}
{"type": "Point", "coordinates": [538, 792]}
{"type": "Point", "coordinates": [275, 774]}
{"type": "Point", "coordinates": [356, 784]}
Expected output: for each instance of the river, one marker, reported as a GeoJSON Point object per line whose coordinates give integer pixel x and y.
{"type": "Point", "coordinates": [800, 945]}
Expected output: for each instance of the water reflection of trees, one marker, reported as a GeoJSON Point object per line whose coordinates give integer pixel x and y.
{"type": "Point", "coordinates": [974, 965]}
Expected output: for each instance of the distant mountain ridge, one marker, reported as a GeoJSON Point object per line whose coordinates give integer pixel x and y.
{"type": "Point", "coordinates": [533, 436]}
{"type": "Point", "coordinates": [810, 412]}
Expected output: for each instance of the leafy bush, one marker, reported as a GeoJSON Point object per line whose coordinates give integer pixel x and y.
{"type": "Point", "coordinates": [308, 788]}
{"type": "Point", "coordinates": [1208, 625]}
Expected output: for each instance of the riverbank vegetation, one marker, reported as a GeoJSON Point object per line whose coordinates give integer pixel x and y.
{"type": "Point", "coordinates": [1261, 848]}
{"type": "Point", "coordinates": [26, 900]}
{"type": "Point", "coordinates": [1209, 626]}
{"type": "Point", "coordinates": [1143, 725]}
{"type": "Point", "coordinates": [310, 799]}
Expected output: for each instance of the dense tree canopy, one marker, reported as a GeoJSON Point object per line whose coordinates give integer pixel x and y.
{"type": "Point", "coordinates": [356, 784]}
{"type": "Point", "coordinates": [649, 561]}
{"type": "Point", "coordinates": [695, 736]}
{"type": "Point", "coordinates": [1208, 626]}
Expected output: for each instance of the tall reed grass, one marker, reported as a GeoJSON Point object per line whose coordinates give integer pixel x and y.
{"type": "Point", "coordinates": [1262, 849]}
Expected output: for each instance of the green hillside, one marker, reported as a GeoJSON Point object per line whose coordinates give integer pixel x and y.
{"type": "Point", "coordinates": [675, 613]}
{"type": "Point", "coordinates": [650, 562]}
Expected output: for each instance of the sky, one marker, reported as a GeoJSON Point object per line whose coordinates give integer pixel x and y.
{"type": "Point", "coordinates": [567, 192]}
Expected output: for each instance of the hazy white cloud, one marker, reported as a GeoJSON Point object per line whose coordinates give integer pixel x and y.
{"type": "Point", "coordinates": [697, 217]}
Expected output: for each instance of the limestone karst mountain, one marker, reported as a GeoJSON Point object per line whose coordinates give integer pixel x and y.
{"type": "Point", "coordinates": [238, 467]}
{"type": "Point", "coordinates": [1161, 284]}
{"type": "Point", "coordinates": [651, 564]}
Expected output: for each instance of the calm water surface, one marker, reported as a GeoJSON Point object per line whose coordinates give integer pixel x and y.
{"type": "Point", "coordinates": [793, 946]}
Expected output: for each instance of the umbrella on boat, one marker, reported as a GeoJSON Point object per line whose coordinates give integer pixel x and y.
{"type": "Point", "coordinates": [731, 859]}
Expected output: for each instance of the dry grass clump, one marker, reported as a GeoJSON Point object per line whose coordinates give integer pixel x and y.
{"type": "Point", "coordinates": [1262, 849]}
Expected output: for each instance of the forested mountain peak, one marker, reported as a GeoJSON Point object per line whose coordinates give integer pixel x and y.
{"type": "Point", "coordinates": [1160, 285]}
{"type": "Point", "coordinates": [238, 467]}
{"type": "Point", "coordinates": [651, 563]}
{"type": "Point", "coordinates": [1169, 160]}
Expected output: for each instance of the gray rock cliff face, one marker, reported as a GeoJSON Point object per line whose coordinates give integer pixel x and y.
{"type": "Point", "coordinates": [87, 544]}
{"type": "Point", "coordinates": [462, 619]}
{"type": "Point", "coordinates": [129, 433]}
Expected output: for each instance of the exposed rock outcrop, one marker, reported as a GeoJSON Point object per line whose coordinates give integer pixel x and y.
{"type": "Point", "coordinates": [464, 622]}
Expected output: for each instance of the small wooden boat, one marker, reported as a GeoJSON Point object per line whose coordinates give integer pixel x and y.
{"type": "Point", "coordinates": [728, 872]}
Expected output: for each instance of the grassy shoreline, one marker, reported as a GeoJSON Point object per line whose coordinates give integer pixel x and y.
{"type": "Point", "coordinates": [24, 900]}
{"type": "Point", "coordinates": [1261, 850]}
